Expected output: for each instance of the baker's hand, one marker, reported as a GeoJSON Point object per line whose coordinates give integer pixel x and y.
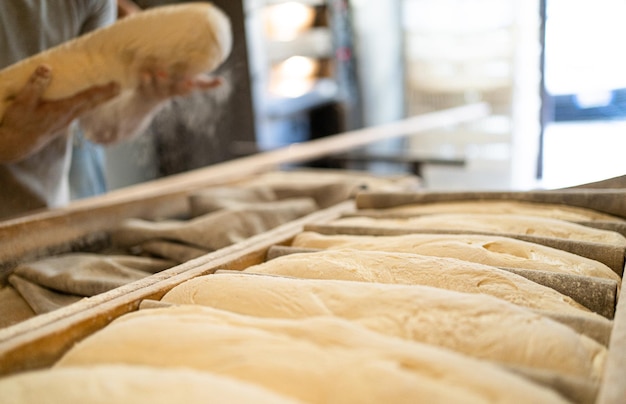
{"type": "Point", "coordinates": [130, 113]}
{"type": "Point", "coordinates": [30, 122]}
{"type": "Point", "coordinates": [157, 85]}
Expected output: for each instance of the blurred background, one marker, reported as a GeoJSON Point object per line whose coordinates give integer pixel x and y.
{"type": "Point", "coordinates": [552, 71]}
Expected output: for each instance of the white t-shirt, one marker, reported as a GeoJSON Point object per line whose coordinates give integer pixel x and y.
{"type": "Point", "coordinates": [26, 28]}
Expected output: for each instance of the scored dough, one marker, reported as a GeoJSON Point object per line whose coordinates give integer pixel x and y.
{"type": "Point", "coordinates": [478, 325]}
{"type": "Point", "coordinates": [498, 251]}
{"type": "Point", "coordinates": [191, 39]}
{"type": "Point", "coordinates": [414, 269]}
{"type": "Point", "coordinates": [554, 211]}
{"type": "Point", "coordinates": [317, 360]}
{"type": "Point", "coordinates": [105, 384]}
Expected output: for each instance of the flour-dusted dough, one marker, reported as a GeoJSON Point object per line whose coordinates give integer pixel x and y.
{"type": "Point", "coordinates": [502, 223]}
{"type": "Point", "coordinates": [477, 325]}
{"type": "Point", "coordinates": [123, 384]}
{"type": "Point", "coordinates": [318, 360]}
{"type": "Point", "coordinates": [498, 251]}
{"type": "Point", "coordinates": [554, 211]}
{"type": "Point", "coordinates": [186, 39]}
{"type": "Point", "coordinates": [414, 269]}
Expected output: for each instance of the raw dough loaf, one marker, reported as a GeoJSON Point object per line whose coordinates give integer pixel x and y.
{"type": "Point", "coordinates": [491, 223]}
{"type": "Point", "coordinates": [130, 384]}
{"type": "Point", "coordinates": [414, 269]}
{"type": "Point", "coordinates": [477, 325]}
{"type": "Point", "coordinates": [186, 39]}
{"type": "Point", "coordinates": [490, 250]}
{"type": "Point", "coordinates": [554, 211]}
{"type": "Point", "coordinates": [318, 360]}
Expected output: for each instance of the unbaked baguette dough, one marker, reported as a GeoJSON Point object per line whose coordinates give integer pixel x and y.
{"type": "Point", "coordinates": [502, 223]}
{"type": "Point", "coordinates": [554, 211]}
{"type": "Point", "coordinates": [317, 360]}
{"type": "Point", "coordinates": [498, 251]}
{"type": "Point", "coordinates": [186, 39]}
{"type": "Point", "coordinates": [414, 269]}
{"type": "Point", "coordinates": [477, 325]}
{"type": "Point", "coordinates": [123, 384]}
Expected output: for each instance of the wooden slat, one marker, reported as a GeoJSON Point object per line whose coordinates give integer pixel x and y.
{"type": "Point", "coordinates": [42, 341]}
{"type": "Point", "coordinates": [33, 234]}
{"type": "Point", "coordinates": [613, 387]}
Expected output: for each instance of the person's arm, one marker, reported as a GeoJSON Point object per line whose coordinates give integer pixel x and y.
{"type": "Point", "coordinates": [30, 122]}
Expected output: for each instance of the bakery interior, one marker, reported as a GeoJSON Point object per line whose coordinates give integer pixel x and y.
{"type": "Point", "coordinates": [336, 114]}
{"type": "Point", "coordinates": [404, 58]}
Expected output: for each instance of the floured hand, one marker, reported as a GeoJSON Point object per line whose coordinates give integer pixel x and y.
{"type": "Point", "coordinates": [156, 84]}
{"type": "Point", "coordinates": [30, 122]}
{"type": "Point", "coordinates": [192, 40]}
{"type": "Point", "coordinates": [130, 113]}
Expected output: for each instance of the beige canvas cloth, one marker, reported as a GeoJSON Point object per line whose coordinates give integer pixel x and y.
{"type": "Point", "coordinates": [13, 307]}
{"type": "Point", "coordinates": [217, 229]}
{"type": "Point", "coordinates": [87, 274]}
{"type": "Point", "coordinates": [54, 282]}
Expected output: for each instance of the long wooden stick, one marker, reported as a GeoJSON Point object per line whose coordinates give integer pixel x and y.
{"type": "Point", "coordinates": [36, 234]}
